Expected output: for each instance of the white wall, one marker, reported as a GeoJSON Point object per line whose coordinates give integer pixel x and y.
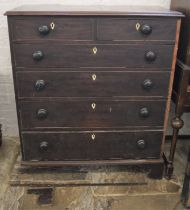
{"type": "Point", "coordinates": [7, 102]}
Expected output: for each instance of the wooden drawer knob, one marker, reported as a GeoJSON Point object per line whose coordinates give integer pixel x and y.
{"type": "Point", "coordinates": [147, 84]}
{"type": "Point", "coordinates": [150, 56]}
{"type": "Point", "coordinates": [141, 144]}
{"type": "Point", "coordinates": [39, 85]}
{"type": "Point", "coordinates": [146, 29]}
{"type": "Point", "coordinates": [38, 55]}
{"type": "Point", "coordinates": [44, 145]}
{"type": "Point", "coordinates": [144, 112]}
{"type": "Point", "coordinates": [42, 114]}
{"type": "Point", "coordinates": [44, 30]}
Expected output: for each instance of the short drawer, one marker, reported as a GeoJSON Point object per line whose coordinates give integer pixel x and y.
{"type": "Point", "coordinates": [100, 55]}
{"type": "Point", "coordinates": [96, 145]}
{"type": "Point", "coordinates": [136, 29]}
{"type": "Point", "coordinates": [91, 113]}
{"type": "Point", "coordinates": [44, 28]}
{"type": "Point", "coordinates": [92, 84]}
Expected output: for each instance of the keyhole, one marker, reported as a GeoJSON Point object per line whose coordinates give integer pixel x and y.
{"type": "Point", "coordinates": [94, 77]}
{"type": "Point", "coordinates": [93, 136]}
{"type": "Point", "coordinates": [93, 105]}
{"type": "Point", "coordinates": [95, 50]}
{"type": "Point", "coordinates": [138, 26]}
{"type": "Point", "coordinates": [52, 25]}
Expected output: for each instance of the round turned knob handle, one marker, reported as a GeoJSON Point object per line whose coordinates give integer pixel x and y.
{"type": "Point", "coordinates": [146, 29]}
{"type": "Point", "coordinates": [144, 112]}
{"type": "Point", "coordinates": [38, 55]}
{"type": "Point", "coordinates": [44, 145]}
{"type": "Point", "coordinates": [44, 30]}
{"type": "Point", "coordinates": [141, 144]}
{"type": "Point", "coordinates": [150, 56]}
{"type": "Point", "coordinates": [42, 114]}
{"type": "Point", "coordinates": [147, 84]}
{"type": "Point", "coordinates": [39, 85]}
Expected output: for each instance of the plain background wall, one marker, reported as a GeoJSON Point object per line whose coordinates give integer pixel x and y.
{"type": "Point", "coordinates": [7, 102]}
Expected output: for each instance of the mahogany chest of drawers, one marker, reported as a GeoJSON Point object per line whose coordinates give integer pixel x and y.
{"type": "Point", "coordinates": [92, 85]}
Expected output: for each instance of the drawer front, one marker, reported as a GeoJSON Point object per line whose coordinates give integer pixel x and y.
{"type": "Point", "coordinates": [136, 29]}
{"type": "Point", "coordinates": [43, 28]}
{"type": "Point", "coordinates": [91, 146]}
{"type": "Point", "coordinates": [72, 28]}
{"type": "Point", "coordinates": [61, 55]}
{"type": "Point", "coordinates": [92, 84]}
{"type": "Point", "coordinates": [91, 113]}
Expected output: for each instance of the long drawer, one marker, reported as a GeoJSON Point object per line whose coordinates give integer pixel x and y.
{"type": "Point", "coordinates": [91, 84]}
{"type": "Point", "coordinates": [72, 28]}
{"type": "Point", "coordinates": [99, 55]}
{"type": "Point", "coordinates": [91, 145]}
{"type": "Point", "coordinates": [90, 113]}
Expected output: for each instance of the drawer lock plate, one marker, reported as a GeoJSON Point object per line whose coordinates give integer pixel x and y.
{"type": "Point", "coordinates": [93, 105]}
{"type": "Point", "coordinates": [93, 136]}
{"type": "Point", "coordinates": [94, 77]}
{"type": "Point", "coordinates": [138, 26]}
{"type": "Point", "coordinates": [95, 50]}
{"type": "Point", "coordinates": [52, 25]}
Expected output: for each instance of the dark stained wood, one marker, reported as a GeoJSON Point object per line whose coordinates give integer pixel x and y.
{"type": "Point", "coordinates": [75, 29]}
{"type": "Point", "coordinates": [157, 171]}
{"type": "Point", "coordinates": [91, 69]}
{"type": "Point", "coordinates": [76, 113]}
{"type": "Point", "coordinates": [13, 72]}
{"type": "Point", "coordinates": [95, 10]}
{"type": "Point", "coordinates": [123, 29]}
{"type": "Point", "coordinates": [106, 145]}
{"type": "Point", "coordinates": [91, 163]}
{"type": "Point", "coordinates": [82, 84]}
{"type": "Point", "coordinates": [22, 175]}
{"type": "Point", "coordinates": [154, 167]}
{"type": "Point", "coordinates": [63, 110]}
{"type": "Point", "coordinates": [26, 28]}
{"type": "Point", "coordinates": [62, 55]}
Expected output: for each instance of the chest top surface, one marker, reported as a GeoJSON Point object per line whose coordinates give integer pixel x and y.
{"type": "Point", "coordinates": [93, 10]}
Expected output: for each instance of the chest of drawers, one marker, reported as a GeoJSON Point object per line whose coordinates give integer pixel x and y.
{"type": "Point", "coordinates": [92, 85]}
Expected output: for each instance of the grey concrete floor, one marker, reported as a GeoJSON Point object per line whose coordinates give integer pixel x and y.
{"type": "Point", "coordinates": [157, 195]}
